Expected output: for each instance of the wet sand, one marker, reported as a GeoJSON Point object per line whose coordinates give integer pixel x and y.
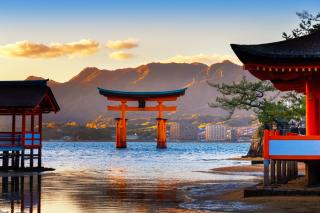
{"type": "Point", "coordinates": [267, 203]}
{"type": "Point", "coordinates": [276, 203]}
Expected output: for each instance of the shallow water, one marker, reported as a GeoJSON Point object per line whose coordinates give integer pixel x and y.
{"type": "Point", "coordinates": [96, 177]}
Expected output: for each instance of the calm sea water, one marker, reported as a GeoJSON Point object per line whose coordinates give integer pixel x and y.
{"type": "Point", "coordinates": [96, 177]}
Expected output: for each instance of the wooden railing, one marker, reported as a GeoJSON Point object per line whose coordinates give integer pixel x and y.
{"type": "Point", "coordinates": [290, 146]}
{"type": "Point", "coordinates": [281, 154]}
{"type": "Point", "coordinates": [28, 140]}
{"type": "Point", "coordinates": [10, 139]}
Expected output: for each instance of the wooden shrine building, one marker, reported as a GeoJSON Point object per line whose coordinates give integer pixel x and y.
{"type": "Point", "coordinates": [141, 98]}
{"type": "Point", "coordinates": [290, 65]}
{"type": "Point", "coordinates": [22, 104]}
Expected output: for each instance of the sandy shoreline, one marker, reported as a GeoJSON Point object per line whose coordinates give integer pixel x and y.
{"type": "Point", "coordinates": [185, 196]}
{"type": "Point", "coordinates": [256, 168]}
{"type": "Point", "coordinates": [265, 204]}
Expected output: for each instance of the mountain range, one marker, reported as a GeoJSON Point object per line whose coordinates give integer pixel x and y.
{"type": "Point", "coordinates": [80, 101]}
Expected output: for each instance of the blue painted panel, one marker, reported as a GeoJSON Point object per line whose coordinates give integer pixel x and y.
{"type": "Point", "coordinates": [12, 148]}
{"type": "Point", "coordinates": [29, 142]}
{"type": "Point", "coordinates": [294, 147]}
{"type": "Point", "coordinates": [29, 136]}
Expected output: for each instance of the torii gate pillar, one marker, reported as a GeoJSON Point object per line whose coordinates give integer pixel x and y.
{"type": "Point", "coordinates": [162, 133]}
{"type": "Point", "coordinates": [141, 98]}
{"type": "Point", "coordinates": [121, 133]}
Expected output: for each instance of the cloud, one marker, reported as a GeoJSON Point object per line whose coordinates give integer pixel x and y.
{"type": "Point", "coordinates": [26, 49]}
{"type": "Point", "coordinates": [201, 58]}
{"type": "Point", "coordinates": [122, 44]}
{"type": "Point", "coordinates": [120, 55]}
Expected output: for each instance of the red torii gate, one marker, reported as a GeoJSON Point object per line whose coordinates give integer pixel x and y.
{"type": "Point", "coordinates": [141, 97]}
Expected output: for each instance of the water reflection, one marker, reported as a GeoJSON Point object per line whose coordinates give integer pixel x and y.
{"type": "Point", "coordinates": [95, 177]}
{"type": "Point", "coordinates": [21, 194]}
{"type": "Point", "coordinates": [89, 192]}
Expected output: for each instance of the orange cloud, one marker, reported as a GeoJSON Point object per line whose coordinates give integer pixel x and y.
{"type": "Point", "coordinates": [120, 55]}
{"type": "Point", "coordinates": [201, 58]}
{"type": "Point", "coordinates": [122, 44]}
{"type": "Point", "coordinates": [26, 49]}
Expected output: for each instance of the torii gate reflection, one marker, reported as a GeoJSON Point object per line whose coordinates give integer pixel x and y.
{"type": "Point", "coordinates": [141, 97]}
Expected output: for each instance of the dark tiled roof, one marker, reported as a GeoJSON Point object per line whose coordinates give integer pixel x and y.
{"type": "Point", "coordinates": [25, 95]}
{"type": "Point", "coordinates": [304, 50]}
{"type": "Point", "coordinates": [141, 95]}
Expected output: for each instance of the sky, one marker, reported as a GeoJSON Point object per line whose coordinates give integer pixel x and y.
{"type": "Point", "coordinates": [57, 39]}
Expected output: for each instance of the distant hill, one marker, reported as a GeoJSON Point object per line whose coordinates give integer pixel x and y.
{"type": "Point", "coordinates": [80, 101]}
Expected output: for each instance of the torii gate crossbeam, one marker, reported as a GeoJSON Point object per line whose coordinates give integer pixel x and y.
{"type": "Point", "coordinates": [141, 97]}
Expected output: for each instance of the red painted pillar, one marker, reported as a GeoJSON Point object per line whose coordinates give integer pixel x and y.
{"type": "Point", "coordinates": [40, 128]}
{"type": "Point", "coordinates": [23, 132]}
{"type": "Point", "coordinates": [32, 129]}
{"type": "Point", "coordinates": [23, 129]}
{"type": "Point", "coordinates": [40, 140]}
{"type": "Point", "coordinates": [13, 129]}
{"type": "Point", "coordinates": [32, 140]}
{"type": "Point", "coordinates": [313, 126]}
{"type": "Point", "coordinates": [312, 106]}
{"type": "Point", "coordinates": [121, 134]}
{"type": "Point", "coordinates": [161, 133]}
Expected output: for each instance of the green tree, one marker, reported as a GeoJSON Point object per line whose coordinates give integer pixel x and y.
{"type": "Point", "coordinates": [262, 98]}
{"type": "Point", "coordinates": [309, 24]}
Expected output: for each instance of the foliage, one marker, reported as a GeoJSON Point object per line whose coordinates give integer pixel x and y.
{"type": "Point", "coordinates": [308, 24]}
{"type": "Point", "coordinates": [260, 97]}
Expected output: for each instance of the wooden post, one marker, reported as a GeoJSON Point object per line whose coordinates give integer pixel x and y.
{"type": "Point", "coordinates": [284, 171]}
{"type": "Point", "coordinates": [39, 194]}
{"type": "Point", "coordinates": [273, 171]}
{"type": "Point", "coordinates": [31, 191]}
{"type": "Point", "coordinates": [289, 170]}
{"type": "Point", "coordinates": [22, 194]}
{"type": "Point", "coordinates": [118, 132]}
{"type": "Point", "coordinates": [123, 135]}
{"type": "Point", "coordinates": [121, 139]}
{"type": "Point", "coordinates": [278, 165]}
{"type": "Point", "coordinates": [40, 141]}
{"type": "Point", "coordinates": [32, 140]}
{"type": "Point", "coordinates": [13, 156]}
{"type": "Point", "coordinates": [5, 160]}
{"type": "Point", "coordinates": [312, 126]}
{"type": "Point", "coordinates": [266, 180]}
{"type": "Point", "coordinates": [23, 130]}
{"type": "Point", "coordinates": [13, 129]}
{"type": "Point", "coordinates": [312, 173]}
{"type": "Point", "coordinates": [17, 160]}
{"type": "Point", "coordinates": [296, 169]}
{"type": "Point", "coordinates": [312, 105]}
{"type": "Point", "coordinates": [161, 133]}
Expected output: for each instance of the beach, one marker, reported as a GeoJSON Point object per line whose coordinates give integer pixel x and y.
{"type": "Point", "coordinates": [187, 177]}
{"type": "Point", "coordinates": [97, 177]}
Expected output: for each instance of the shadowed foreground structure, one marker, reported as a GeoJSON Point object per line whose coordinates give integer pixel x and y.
{"type": "Point", "coordinates": [290, 65]}
{"type": "Point", "coordinates": [141, 98]}
{"type": "Point", "coordinates": [24, 102]}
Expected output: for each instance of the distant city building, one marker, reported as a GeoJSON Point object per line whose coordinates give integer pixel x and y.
{"type": "Point", "coordinates": [91, 125]}
{"type": "Point", "coordinates": [246, 131]}
{"type": "Point", "coordinates": [215, 133]}
{"type": "Point", "coordinates": [50, 125]}
{"type": "Point", "coordinates": [232, 134]}
{"type": "Point", "coordinates": [72, 124]}
{"type": "Point", "coordinates": [183, 131]}
{"type": "Point", "coordinates": [202, 134]}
